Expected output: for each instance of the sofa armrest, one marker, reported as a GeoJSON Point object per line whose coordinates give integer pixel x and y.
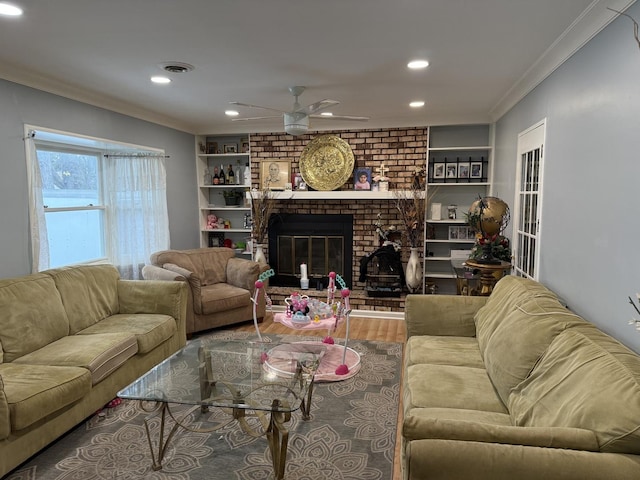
{"type": "Point", "coordinates": [155, 296]}
{"type": "Point", "coordinates": [152, 272]}
{"type": "Point", "coordinates": [243, 273]}
{"type": "Point", "coordinates": [447, 315]}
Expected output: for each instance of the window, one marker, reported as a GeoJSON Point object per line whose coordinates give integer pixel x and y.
{"type": "Point", "coordinates": [73, 205]}
{"type": "Point", "coordinates": [93, 200]}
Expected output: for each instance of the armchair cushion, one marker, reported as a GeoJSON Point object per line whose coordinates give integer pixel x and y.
{"type": "Point", "coordinates": [242, 274]}
{"type": "Point", "coordinates": [222, 297]}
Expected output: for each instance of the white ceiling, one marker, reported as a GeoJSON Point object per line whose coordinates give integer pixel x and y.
{"type": "Point", "coordinates": [484, 56]}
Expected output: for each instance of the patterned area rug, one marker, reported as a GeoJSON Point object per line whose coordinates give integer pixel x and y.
{"type": "Point", "coordinates": [351, 435]}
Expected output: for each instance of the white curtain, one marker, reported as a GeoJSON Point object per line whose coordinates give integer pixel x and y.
{"type": "Point", "coordinates": [37, 222]}
{"type": "Point", "coordinates": [137, 217]}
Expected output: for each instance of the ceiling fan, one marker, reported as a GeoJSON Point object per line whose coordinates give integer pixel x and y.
{"type": "Point", "coordinates": [296, 122]}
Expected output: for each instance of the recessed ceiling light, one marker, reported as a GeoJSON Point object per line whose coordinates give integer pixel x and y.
{"type": "Point", "coordinates": [231, 113]}
{"type": "Point", "coordinates": [417, 104]}
{"type": "Point", "coordinates": [10, 10]}
{"type": "Point", "coordinates": [160, 80]}
{"type": "Point", "coordinates": [327, 114]}
{"type": "Point", "coordinates": [417, 64]}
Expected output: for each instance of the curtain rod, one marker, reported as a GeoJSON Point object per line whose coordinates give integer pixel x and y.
{"type": "Point", "coordinates": [148, 155]}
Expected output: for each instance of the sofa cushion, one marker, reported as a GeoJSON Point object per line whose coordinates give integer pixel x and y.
{"type": "Point", "coordinates": [100, 353]}
{"type": "Point", "coordinates": [36, 391]}
{"type": "Point", "coordinates": [429, 386]}
{"type": "Point", "coordinates": [489, 427]}
{"type": "Point", "coordinates": [460, 351]}
{"type": "Point", "coordinates": [89, 293]}
{"type": "Point", "coordinates": [522, 337]}
{"type": "Point", "coordinates": [149, 329]}
{"type": "Point", "coordinates": [222, 297]}
{"type": "Point", "coordinates": [507, 294]}
{"type": "Point", "coordinates": [585, 380]}
{"type": "Point", "coordinates": [32, 315]}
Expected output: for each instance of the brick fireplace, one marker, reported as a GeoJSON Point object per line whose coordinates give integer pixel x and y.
{"type": "Point", "coordinates": [399, 149]}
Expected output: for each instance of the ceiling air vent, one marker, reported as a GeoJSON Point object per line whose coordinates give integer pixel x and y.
{"type": "Point", "coordinates": [176, 67]}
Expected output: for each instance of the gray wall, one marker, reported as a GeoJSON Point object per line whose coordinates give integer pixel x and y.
{"type": "Point", "coordinates": [20, 105]}
{"type": "Point", "coordinates": [590, 223]}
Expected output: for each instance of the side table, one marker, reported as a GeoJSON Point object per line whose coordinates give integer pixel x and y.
{"type": "Point", "coordinates": [487, 274]}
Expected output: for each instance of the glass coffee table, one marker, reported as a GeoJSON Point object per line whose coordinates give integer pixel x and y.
{"type": "Point", "coordinates": [268, 381]}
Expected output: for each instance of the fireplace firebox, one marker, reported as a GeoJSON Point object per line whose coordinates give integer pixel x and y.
{"type": "Point", "coordinates": [323, 242]}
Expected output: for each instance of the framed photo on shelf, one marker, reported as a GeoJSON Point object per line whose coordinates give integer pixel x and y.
{"type": "Point", "coordinates": [452, 170]}
{"type": "Point", "coordinates": [275, 174]}
{"type": "Point", "coordinates": [438, 170]}
{"type": "Point", "coordinates": [475, 170]}
{"type": "Point", "coordinates": [463, 170]}
{"type": "Point", "coordinates": [212, 148]}
{"type": "Point", "coordinates": [362, 179]}
{"type": "Point", "coordinates": [230, 148]}
{"type": "Point", "coordinates": [244, 145]}
{"type": "Point", "coordinates": [454, 232]}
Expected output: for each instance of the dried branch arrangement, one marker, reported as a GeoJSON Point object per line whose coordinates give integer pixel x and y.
{"type": "Point", "coordinates": [262, 206]}
{"type": "Point", "coordinates": [412, 206]}
{"type": "Point", "coordinates": [635, 24]}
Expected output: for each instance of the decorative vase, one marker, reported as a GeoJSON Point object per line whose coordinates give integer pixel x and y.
{"type": "Point", "coordinates": [413, 274]}
{"type": "Point", "coordinates": [259, 257]}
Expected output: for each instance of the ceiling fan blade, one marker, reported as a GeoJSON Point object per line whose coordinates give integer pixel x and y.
{"type": "Point", "coordinates": [247, 119]}
{"type": "Point", "coordinates": [318, 106]}
{"type": "Point", "coordinates": [240, 104]}
{"type": "Point", "coordinates": [341, 117]}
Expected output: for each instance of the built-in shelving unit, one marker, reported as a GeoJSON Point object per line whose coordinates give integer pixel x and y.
{"type": "Point", "coordinates": [458, 171]}
{"type": "Point", "coordinates": [213, 154]}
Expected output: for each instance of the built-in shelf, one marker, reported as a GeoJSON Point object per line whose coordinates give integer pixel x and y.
{"type": "Point", "coordinates": [227, 230]}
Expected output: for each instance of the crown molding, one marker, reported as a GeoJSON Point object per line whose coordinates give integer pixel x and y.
{"type": "Point", "coordinates": [593, 20]}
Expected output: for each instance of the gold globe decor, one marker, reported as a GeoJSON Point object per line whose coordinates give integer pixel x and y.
{"type": "Point", "coordinates": [489, 216]}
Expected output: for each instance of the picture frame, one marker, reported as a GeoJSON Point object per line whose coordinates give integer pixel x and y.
{"type": "Point", "coordinates": [275, 174]}
{"type": "Point", "coordinates": [230, 148]}
{"type": "Point", "coordinates": [454, 231]}
{"type": "Point", "coordinates": [464, 232]}
{"type": "Point", "coordinates": [362, 178]}
{"type": "Point", "coordinates": [438, 170]}
{"type": "Point", "coordinates": [475, 170]}
{"type": "Point", "coordinates": [463, 170]}
{"type": "Point", "coordinates": [451, 170]}
{"type": "Point", "coordinates": [244, 146]}
{"type": "Point", "coordinates": [212, 148]}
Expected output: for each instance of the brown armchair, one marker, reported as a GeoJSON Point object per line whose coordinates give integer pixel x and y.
{"type": "Point", "coordinates": [221, 286]}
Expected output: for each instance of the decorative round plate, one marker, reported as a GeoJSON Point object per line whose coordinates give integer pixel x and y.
{"type": "Point", "coordinates": [326, 163]}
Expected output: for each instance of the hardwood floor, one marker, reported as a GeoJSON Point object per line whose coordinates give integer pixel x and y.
{"type": "Point", "coordinates": [361, 328]}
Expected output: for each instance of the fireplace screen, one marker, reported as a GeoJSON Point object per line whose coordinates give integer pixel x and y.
{"type": "Point", "coordinates": [321, 254]}
{"type": "Point", "coordinates": [323, 242]}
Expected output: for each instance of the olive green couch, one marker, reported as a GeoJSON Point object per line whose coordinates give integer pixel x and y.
{"type": "Point", "coordinates": [515, 386]}
{"type": "Point", "coordinates": [70, 339]}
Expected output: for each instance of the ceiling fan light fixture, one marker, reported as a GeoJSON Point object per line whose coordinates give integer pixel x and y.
{"type": "Point", "coordinates": [327, 114]}
{"type": "Point", "coordinates": [417, 64]}
{"type": "Point", "coordinates": [296, 124]}
{"type": "Point", "coordinates": [231, 113]}
{"type": "Point", "coordinates": [417, 104]}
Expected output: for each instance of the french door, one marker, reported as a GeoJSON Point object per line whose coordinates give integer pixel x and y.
{"type": "Point", "coordinates": [528, 201]}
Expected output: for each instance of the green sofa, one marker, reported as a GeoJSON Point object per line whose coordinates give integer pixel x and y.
{"type": "Point", "coordinates": [70, 339]}
{"type": "Point", "coordinates": [515, 386]}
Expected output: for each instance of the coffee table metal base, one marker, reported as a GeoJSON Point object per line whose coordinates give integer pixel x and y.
{"type": "Point", "coordinates": [274, 428]}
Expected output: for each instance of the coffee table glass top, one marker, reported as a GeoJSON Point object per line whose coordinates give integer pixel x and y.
{"type": "Point", "coordinates": [234, 374]}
